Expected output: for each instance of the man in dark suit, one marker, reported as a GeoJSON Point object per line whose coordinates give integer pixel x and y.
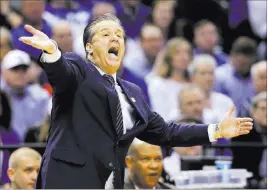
{"type": "Point", "coordinates": [96, 115]}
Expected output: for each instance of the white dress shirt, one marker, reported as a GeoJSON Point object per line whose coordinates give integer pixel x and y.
{"type": "Point", "coordinates": [128, 121]}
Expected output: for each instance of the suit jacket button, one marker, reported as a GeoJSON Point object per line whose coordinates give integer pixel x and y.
{"type": "Point", "coordinates": [111, 164]}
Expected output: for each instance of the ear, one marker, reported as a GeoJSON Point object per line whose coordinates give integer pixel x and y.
{"type": "Point", "coordinates": [129, 162]}
{"type": "Point", "coordinates": [89, 48]}
{"type": "Point", "coordinates": [11, 174]}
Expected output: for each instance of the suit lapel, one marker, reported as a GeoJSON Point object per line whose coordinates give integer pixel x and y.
{"type": "Point", "coordinates": [131, 98]}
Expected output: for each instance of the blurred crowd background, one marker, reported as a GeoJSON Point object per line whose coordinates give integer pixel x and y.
{"type": "Point", "coordinates": [192, 58]}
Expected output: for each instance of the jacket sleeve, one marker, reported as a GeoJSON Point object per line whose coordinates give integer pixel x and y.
{"type": "Point", "coordinates": [161, 133]}
{"type": "Point", "coordinates": [63, 73]}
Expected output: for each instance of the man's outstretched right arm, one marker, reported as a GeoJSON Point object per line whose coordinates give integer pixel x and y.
{"type": "Point", "coordinates": [62, 72]}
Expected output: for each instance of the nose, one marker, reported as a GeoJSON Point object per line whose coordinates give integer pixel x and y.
{"type": "Point", "coordinates": [153, 165]}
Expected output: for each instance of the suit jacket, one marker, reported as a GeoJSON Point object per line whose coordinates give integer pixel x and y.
{"type": "Point", "coordinates": [83, 148]}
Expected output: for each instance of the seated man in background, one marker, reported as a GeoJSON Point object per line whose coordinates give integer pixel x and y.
{"type": "Point", "coordinates": [144, 163]}
{"type": "Point", "coordinates": [23, 167]}
{"type": "Point", "coordinates": [29, 102]}
{"type": "Point", "coordinates": [258, 135]}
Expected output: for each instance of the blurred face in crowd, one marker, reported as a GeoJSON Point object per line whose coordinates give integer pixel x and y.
{"type": "Point", "coordinates": [102, 8]}
{"type": "Point", "coordinates": [151, 41]}
{"type": "Point", "coordinates": [204, 76]}
{"type": "Point", "coordinates": [259, 78]}
{"type": "Point", "coordinates": [24, 175]}
{"type": "Point", "coordinates": [242, 63]}
{"type": "Point", "coordinates": [182, 56]}
{"type": "Point", "coordinates": [163, 13]}
{"type": "Point", "coordinates": [206, 37]}
{"type": "Point", "coordinates": [131, 3]}
{"type": "Point", "coordinates": [107, 48]}
{"type": "Point", "coordinates": [16, 77]}
{"type": "Point", "coordinates": [188, 151]}
{"type": "Point", "coordinates": [33, 10]}
{"type": "Point", "coordinates": [192, 103]}
{"type": "Point", "coordinates": [5, 45]}
{"type": "Point", "coordinates": [145, 166]}
{"type": "Point", "coordinates": [62, 34]}
{"type": "Point", "coordinates": [259, 113]}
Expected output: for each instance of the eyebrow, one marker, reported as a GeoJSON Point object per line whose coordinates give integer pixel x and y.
{"type": "Point", "coordinates": [118, 30]}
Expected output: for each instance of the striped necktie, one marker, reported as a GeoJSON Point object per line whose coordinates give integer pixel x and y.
{"type": "Point", "coordinates": [119, 116]}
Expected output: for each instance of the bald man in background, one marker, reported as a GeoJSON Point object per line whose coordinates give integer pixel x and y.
{"type": "Point", "coordinates": [23, 167]}
{"type": "Point", "coordinates": [62, 34]}
{"type": "Point", "coordinates": [145, 164]}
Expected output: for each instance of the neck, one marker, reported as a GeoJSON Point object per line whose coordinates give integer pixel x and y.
{"type": "Point", "coordinates": [178, 76]}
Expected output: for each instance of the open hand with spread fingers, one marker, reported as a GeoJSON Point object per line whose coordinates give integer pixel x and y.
{"type": "Point", "coordinates": [231, 127]}
{"type": "Point", "coordinates": [39, 40]}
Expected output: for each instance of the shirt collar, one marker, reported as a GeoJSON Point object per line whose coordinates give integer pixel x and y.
{"type": "Point", "coordinates": [103, 73]}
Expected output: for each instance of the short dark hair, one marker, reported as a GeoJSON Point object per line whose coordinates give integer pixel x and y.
{"type": "Point", "coordinates": [87, 36]}
{"type": "Point", "coordinates": [202, 23]}
{"type": "Point", "coordinates": [245, 46]}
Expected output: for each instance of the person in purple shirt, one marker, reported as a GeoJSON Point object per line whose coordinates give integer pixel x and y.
{"type": "Point", "coordinates": [206, 38]}
{"type": "Point", "coordinates": [133, 15]}
{"type": "Point", "coordinates": [32, 12]}
{"type": "Point", "coordinates": [233, 78]}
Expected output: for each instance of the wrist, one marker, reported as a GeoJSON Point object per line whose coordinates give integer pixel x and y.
{"type": "Point", "coordinates": [52, 49]}
{"type": "Point", "coordinates": [217, 131]}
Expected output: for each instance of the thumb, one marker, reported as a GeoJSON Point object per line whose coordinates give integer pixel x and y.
{"type": "Point", "coordinates": [231, 110]}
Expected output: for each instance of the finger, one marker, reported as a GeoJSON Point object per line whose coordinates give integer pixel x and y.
{"type": "Point", "coordinates": [245, 119]}
{"type": "Point", "coordinates": [244, 132]}
{"type": "Point", "coordinates": [247, 124]}
{"type": "Point", "coordinates": [231, 110]}
{"type": "Point", "coordinates": [31, 29]}
{"type": "Point", "coordinates": [246, 128]}
{"type": "Point", "coordinates": [26, 40]}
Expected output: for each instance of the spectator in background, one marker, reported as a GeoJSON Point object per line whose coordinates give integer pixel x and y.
{"type": "Point", "coordinates": [233, 78]}
{"type": "Point", "coordinates": [168, 76]}
{"type": "Point", "coordinates": [101, 8]}
{"type": "Point", "coordinates": [202, 72]}
{"type": "Point", "coordinates": [162, 16]}
{"type": "Point", "coordinates": [174, 163]}
{"type": "Point", "coordinates": [24, 165]}
{"type": "Point", "coordinates": [5, 43]}
{"type": "Point", "coordinates": [76, 15]}
{"type": "Point", "coordinates": [32, 12]}
{"type": "Point", "coordinates": [192, 103]}
{"type": "Point", "coordinates": [28, 102]}
{"type": "Point", "coordinates": [144, 163]}
{"type": "Point", "coordinates": [62, 34]}
{"type": "Point", "coordinates": [141, 59]}
{"type": "Point", "coordinates": [258, 112]}
{"type": "Point", "coordinates": [259, 78]}
{"type": "Point", "coordinates": [9, 17]}
{"type": "Point", "coordinates": [206, 39]}
{"type": "Point", "coordinates": [132, 14]}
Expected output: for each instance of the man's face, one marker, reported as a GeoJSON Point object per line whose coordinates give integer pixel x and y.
{"type": "Point", "coordinates": [260, 112]}
{"type": "Point", "coordinates": [242, 63]}
{"type": "Point", "coordinates": [33, 10]}
{"type": "Point", "coordinates": [17, 76]}
{"type": "Point", "coordinates": [260, 80]}
{"type": "Point", "coordinates": [192, 103]}
{"type": "Point", "coordinates": [108, 45]}
{"type": "Point", "coordinates": [151, 42]}
{"type": "Point", "coordinates": [146, 166]}
{"type": "Point", "coordinates": [204, 76]}
{"type": "Point", "coordinates": [25, 174]}
{"type": "Point", "coordinates": [206, 37]}
{"type": "Point", "coordinates": [64, 38]}
{"type": "Point", "coordinates": [163, 13]}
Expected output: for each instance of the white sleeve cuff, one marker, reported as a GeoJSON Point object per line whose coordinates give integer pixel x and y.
{"type": "Point", "coordinates": [51, 58]}
{"type": "Point", "coordinates": [211, 132]}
